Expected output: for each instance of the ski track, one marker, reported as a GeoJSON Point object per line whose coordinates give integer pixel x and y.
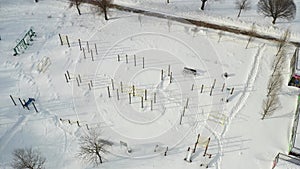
{"type": "Point", "coordinates": [250, 80]}
{"type": "Point", "coordinates": [9, 134]}
{"type": "Point", "coordinates": [239, 105]}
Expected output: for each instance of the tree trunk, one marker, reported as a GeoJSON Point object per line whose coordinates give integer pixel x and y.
{"type": "Point", "coordinates": [99, 156]}
{"type": "Point", "coordinates": [105, 14]}
{"type": "Point", "coordinates": [168, 1]}
{"type": "Point", "coordinates": [239, 13]}
{"type": "Point", "coordinates": [203, 4]}
{"type": "Point", "coordinates": [77, 6]}
{"type": "Point", "coordinates": [274, 20]}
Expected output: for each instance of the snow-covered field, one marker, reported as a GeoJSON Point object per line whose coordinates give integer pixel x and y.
{"type": "Point", "coordinates": [239, 138]}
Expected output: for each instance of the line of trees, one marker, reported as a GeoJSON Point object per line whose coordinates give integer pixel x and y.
{"type": "Point", "coordinates": [272, 103]}
{"type": "Point", "coordinates": [92, 147]}
{"type": "Point", "coordinates": [103, 5]}
{"type": "Point", "coordinates": [276, 9]}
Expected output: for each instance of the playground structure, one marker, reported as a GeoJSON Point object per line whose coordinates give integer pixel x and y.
{"type": "Point", "coordinates": [24, 42]}
{"type": "Point", "coordinates": [134, 99]}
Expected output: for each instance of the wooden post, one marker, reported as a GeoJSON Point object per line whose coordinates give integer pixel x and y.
{"type": "Point", "coordinates": [166, 151]}
{"type": "Point", "coordinates": [83, 53]}
{"type": "Point", "coordinates": [68, 41]}
{"type": "Point", "coordinates": [108, 91]}
{"type": "Point", "coordinates": [202, 88]}
{"type": "Point", "coordinates": [187, 103]}
{"type": "Point", "coordinates": [211, 90]}
{"type": "Point", "coordinates": [180, 120]}
{"type": "Point", "coordinates": [154, 98]}
{"type": "Point", "coordinates": [232, 90]}
{"type": "Point", "coordinates": [205, 151]}
{"type": "Point", "coordinates": [129, 98]}
{"type": "Point", "coordinates": [118, 94]}
{"type": "Point", "coordinates": [188, 155]}
{"type": "Point", "coordinates": [142, 102]}
{"type": "Point", "coordinates": [145, 94]}
{"type": "Point", "coordinates": [126, 58]}
{"type": "Point", "coordinates": [21, 102]}
{"type": "Point", "coordinates": [12, 99]}
{"type": "Point", "coordinates": [61, 42]}
{"type": "Point", "coordinates": [34, 107]}
{"type": "Point", "coordinates": [91, 83]}
{"type": "Point", "coordinates": [79, 77]}
{"type": "Point", "coordinates": [78, 123]}
{"type": "Point", "coordinates": [133, 90]}
{"type": "Point", "coordinates": [151, 105]}
{"type": "Point", "coordinates": [87, 127]}
{"type": "Point", "coordinates": [192, 87]}
{"type": "Point", "coordinates": [92, 55]}
{"type": "Point", "coordinates": [88, 47]}
{"type": "Point", "coordinates": [77, 81]}
{"type": "Point", "coordinates": [162, 74]}
{"type": "Point", "coordinates": [223, 87]}
{"type": "Point", "coordinates": [213, 86]}
{"type": "Point", "coordinates": [118, 58]}
{"type": "Point", "coordinates": [96, 50]}
{"type": "Point", "coordinates": [134, 57]}
{"type": "Point", "coordinates": [143, 62]}
{"type": "Point", "coordinates": [121, 84]}
{"type": "Point", "coordinates": [89, 86]}
{"type": "Point", "coordinates": [169, 70]}
{"type": "Point", "coordinates": [196, 143]}
{"type": "Point", "coordinates": [171, 77]}
{"type": "Point", "coordinates": [25, 103]}
{"type": "Point", "coordinates": [79, 44]}
{"type": "Point", "coordinates": [66, 78]}
{"type": "Point", "coordinates": [68, 75]}
{"type": "Point", "coordinates": [183, 112]}
{"type": "Point", "coordinates": [112, 84]}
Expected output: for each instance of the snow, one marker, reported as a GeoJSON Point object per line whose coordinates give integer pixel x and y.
{"type": "Point", "coordinates": [239, 138]}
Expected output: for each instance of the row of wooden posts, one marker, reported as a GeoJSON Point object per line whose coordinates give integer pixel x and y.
{"type": "Point", "coordinates": [72, 122]}
{"type": "Point", "coordinates": [22, 102]}
{"type": "Point", "coordinates": [190, 151]}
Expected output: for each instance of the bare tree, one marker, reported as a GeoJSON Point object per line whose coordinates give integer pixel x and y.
{"type": "Point", "coordinates": [242, 5]}
{"type": "Point", "coordinates": [76, 3]}
{"type": "Point", "coordinates": [203, 4]}
{"type": "Point", "coordinates": [274, 85]}
{"type": "Point", "coordinates": [27, 158]}
{"type": "Point", "coordinates": [270, 104]}
{"type": "Point", "coordinates": [285, 9]}
{"type": "Point", "coordinates": [92, 146]}
{"type": "Point", "coordinates": [104, 5]}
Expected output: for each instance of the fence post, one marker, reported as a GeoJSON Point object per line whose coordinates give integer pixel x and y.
{"type": "Point", "coordinates": [134, 57]}
{"type": "Point", "coordinates": [118, 94]}
{"type": "Point", "coordinates": [34, 107]}
{"type": "Point", "coordinates": [79, 44]}
{"type": "Point", "coordinates": [92, 54]}
{"type": "Point", "coordinates": [108, 92]}
{"type": "Point", "coordinates": [143, 62]}
{"type": "Point", "coordinates": [13, 100]}
{"type": "Point", "coordinates": [68, 41]}
{"type": "Point", "coordinates": [88, 47]}
{"type": "Point", "coordinates": [61, 42]}
{"type": "Point", "coordinates": [83, 53]}
{"type": "Point", "coordinates": [96, 50]}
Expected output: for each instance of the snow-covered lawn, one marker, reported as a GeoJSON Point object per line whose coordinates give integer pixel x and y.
{"type": "Point", "coordinates": [238, 136]}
